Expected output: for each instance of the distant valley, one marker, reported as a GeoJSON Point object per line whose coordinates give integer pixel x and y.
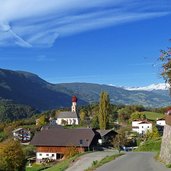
{"type": "Point", "coordinates": [29, 89]}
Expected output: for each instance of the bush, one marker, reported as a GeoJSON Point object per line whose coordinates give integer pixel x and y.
{"type": "Point", "coordinates": [168, 165]}
{"type": "Point", "coordinates": [29, 151]}
{"type": "Point", "coordinates": [11, 156]}
{"type": "Point", "coordinates": [150, 145]}
{"type": "Point", "coordinates": [70, 152]}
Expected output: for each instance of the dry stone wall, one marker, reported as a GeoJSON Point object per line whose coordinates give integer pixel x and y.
{"type": "Point", "coordinates": [165, 153]}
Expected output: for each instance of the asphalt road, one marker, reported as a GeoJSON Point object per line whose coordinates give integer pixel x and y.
{"type": "Point", "coordinates": [140, 161]}
{"type": "Point", "coordinates": [86, 160]}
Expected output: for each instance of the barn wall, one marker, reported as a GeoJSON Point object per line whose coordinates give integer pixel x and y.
{"type": "Point", "coordinates": [57, 149]}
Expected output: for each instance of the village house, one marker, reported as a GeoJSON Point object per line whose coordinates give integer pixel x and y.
{"type": "Point", "coordinates": [53, 143]}
{"type": "Point", "coordinates": [161, 122]}
{"type": "Point", "coordinates": [141, 127]}
{"type": "Point", "coordinates": [69, 117]}
{"type": "Point", "coordinates": [106, 137]}
{"type": "Point", "coordinates": [21, 134]}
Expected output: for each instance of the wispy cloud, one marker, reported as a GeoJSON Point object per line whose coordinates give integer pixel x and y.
{"type": "Point", "coordinates": [43, 58]}
{"type": "Point", "coordinates": [39, 58]}
{"type": "Point", "coordinates": [32, 23]}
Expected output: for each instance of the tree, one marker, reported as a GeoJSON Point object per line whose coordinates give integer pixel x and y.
{"type": "Point", "coordinates": [152, 135]}
{"type": "Point", "coordinates": [165, 57]}
{"type": "Point", "coordinates": [155, 133]}
{"type": "Point", "coordinates": [82, 116]}
{"type": "Point", "coordinates": [11, 156]}
{"type": "Point", "coordinates": [95, 122]}
{"type": "Point", "coordinates": [120, 140]}
{"type": "Point", "coordinates": [135, 116]}
{"type": "Point", "coordinates": [104, 110]}
{"type": "Point", "coordinates": [124, 114]}
{"type": "Point", "coordinates": [42, 120]}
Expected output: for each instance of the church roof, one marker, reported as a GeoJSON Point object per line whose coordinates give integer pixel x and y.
{"type": "Point", "coordinates": [67, 115]}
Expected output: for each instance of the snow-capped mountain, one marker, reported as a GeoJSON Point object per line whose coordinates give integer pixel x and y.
{"type": "Point", "coordinates": [159, 86]}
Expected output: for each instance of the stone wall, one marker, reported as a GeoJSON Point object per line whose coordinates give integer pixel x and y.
{"type": "Point", "coordinates": [165, 153]}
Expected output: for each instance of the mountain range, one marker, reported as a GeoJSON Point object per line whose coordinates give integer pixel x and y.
{"type": "Point", "coordinates": [159, 86]}
{"type": "Point", "coordinates": [27, 88]}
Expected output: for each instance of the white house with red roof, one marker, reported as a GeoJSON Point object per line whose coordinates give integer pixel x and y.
{"type": "Point", "coordinates": [141, 127]}
{"type": "Point", "coordinates": [161, 122]}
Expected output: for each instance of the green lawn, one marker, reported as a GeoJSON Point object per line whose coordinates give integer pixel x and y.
{"type": "Point", "coordinates": [153, 115]}
{"type": "Point", "coordinates": [61, 166]}
{"type": "Point", "coordinates": [150, 145]}
{"type": "Point", "coordinates": [36, 167]}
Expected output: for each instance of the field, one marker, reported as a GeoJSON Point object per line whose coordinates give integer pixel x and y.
{"type": "Point", "coordinates": [153, 115]}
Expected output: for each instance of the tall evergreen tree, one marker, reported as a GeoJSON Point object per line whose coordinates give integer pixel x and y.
{"type": "Point", "coordinates": [104, 110]}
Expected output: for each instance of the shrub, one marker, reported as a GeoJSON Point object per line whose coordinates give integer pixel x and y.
{"type": "Point", "coordinates": [11, 156]}
{"type": "Point", "coordinates": [168, 165]}
{"type": "Point", "coordinates": [70, 152]}
{"type": "Point", "coordinates": [150, 145]}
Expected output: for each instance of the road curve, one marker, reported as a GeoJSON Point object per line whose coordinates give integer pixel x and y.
{"type": "Point", "coordinates": [134, 161]}
{"type": "Point", "coordinates": [86, 160]}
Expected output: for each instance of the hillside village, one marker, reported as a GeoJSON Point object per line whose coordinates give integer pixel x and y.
{"type": "Point", "coordinates": [67, 132]}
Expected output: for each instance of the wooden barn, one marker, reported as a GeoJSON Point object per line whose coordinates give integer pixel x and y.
{"type": "Point", "coordinates": [53, 143]}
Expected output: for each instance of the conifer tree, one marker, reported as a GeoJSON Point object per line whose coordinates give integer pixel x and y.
{"type": "Point", "coordinates": [104, 110]}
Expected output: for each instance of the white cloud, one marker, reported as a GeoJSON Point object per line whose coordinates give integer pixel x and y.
{"type": "Point", "coordinates": [31, 23]}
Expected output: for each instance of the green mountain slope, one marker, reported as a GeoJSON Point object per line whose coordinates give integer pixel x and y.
{"type": "Point", "coordinates": [90, 93]}
{"type": "Point", "coordinates": [27, 88]}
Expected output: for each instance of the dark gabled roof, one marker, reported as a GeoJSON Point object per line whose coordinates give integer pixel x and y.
{"type": "Point", "coordinates": [105, 132]}
{"type": "Point", "coordinates": [145, 122]}
{"type": "Point", "coordinates": [161, 119]}
{"type": "Point", "coordinates": [63, 137]}
{"type": "Point", "coordinates": [46, 127]}
{"type": "Point", "coordinates": [67, 115]}
{"type": "Point", "coordinates": [16, 130]}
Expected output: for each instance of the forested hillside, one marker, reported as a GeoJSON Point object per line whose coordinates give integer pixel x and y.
{"type": "Point", "coordinates": [29, 89]}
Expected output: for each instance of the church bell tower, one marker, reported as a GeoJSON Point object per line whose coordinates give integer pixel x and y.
{"type": "Point", "coordinates": [74, 104]}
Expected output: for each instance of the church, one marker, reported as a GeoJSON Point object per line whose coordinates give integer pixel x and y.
{"type": "Point", "coordinates": [69, 117]}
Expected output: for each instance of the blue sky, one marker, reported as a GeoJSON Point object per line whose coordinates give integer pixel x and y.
{"type": "Point", "coordinates": [101, 41]}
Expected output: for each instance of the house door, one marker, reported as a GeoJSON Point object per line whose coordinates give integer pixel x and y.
{"type": "Point", "coordinates": [59, 156]}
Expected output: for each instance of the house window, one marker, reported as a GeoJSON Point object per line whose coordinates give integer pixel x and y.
{"type": "Point", "coordinates": [47, 154]}
{"type": "Point", "coordinates": [81, 142]}
{"type": "Point", "coordinates": [53, 155]}
{"type": "Point", "coordinates": [148, 127]}
{"type": "Point", "coordinates": [40, 154]}
{"type": "Point", "coordinates": [142, 127]}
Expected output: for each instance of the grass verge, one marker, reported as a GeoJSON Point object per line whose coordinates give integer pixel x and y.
{"type": "Point", "coordinates": [105, 160]}
{"type": "Point", "coordinates": [36, 167]}
{"type": "Point", "coordinates": [63, 165]}
{"type": "Point", "coordinates": [150, 145]}
{"type": "Point", "coordinates": [60, 166]}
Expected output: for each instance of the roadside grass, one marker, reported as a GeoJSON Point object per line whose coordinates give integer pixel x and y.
{"type": "Point", "coordinates": [105, 160]}
{"type": "Point", "coordinates": [60, 166]}
{"type": "Point", "coordinates": [153, 115]}
{"type": "Point", "coordinates": [63, 165]}
{"type": "Point", "coordinates": [150, 145]}
{"type": "Point", "coordinates": [36, 167]}
{"type": "Point", "coordinates": [168, 165]}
